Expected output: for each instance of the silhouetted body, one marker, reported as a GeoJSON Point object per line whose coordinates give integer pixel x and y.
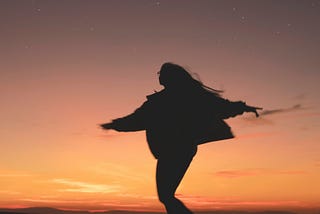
{"type": "Point", "coordinates": [177, 119]}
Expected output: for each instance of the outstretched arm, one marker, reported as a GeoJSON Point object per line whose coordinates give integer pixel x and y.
{"type": "Point", "coordinates": [131, 122]}
{"type": "Point", "coordinates": [227, 109]}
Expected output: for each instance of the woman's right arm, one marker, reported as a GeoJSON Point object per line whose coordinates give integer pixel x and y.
{"type": "Point", "coordinates": [132, 122]}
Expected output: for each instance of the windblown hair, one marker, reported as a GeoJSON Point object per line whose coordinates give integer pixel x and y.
{"type": "Point", "coordinates": [175, 76]}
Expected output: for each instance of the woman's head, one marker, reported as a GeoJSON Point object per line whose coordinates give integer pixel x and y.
{"type": "Point", "coordinates": [173, 76]}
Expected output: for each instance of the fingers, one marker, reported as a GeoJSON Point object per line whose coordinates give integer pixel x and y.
{"type": "Point", "coordinates": [256, 112]}
{"type": "Point", "coordinates": [254, 109]}
{"type": "Point", "coordinates": [106, 126]}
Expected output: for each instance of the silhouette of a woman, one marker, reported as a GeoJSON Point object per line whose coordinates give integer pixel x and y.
{"type": "Point", "coordinates": [184, 114]}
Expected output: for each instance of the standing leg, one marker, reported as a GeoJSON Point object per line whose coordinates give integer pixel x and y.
{"type": "Point", "coordinates": [170, 172]}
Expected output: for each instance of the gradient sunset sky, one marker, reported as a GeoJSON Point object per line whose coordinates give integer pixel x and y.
{"type": "Point", "coordinates": [66, 66]}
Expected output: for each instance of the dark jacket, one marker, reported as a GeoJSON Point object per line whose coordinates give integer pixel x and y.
{"type": "Point", "coordinates": [177, 121]}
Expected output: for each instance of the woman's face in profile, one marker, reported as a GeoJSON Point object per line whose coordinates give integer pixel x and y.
{"type": "Point", "coordinates": [160, 77]}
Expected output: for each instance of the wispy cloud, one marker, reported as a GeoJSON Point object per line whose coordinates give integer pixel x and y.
{"type": "Point", "coordinates": [138, 196]}
{"type": "Point", "coordinates": [40, 200]}
{"type": "Point", "coordinates": [256, 172]}
{"type": "Point", "coordinates": [14, 175]}
{"type": "Point", "coordinates": [108, 136]}
{"type": "Point", "coordinates": [198, 201]}
{"type": "Point", "coordinates": [99, 205]}
{"type": "Point", "coordinates": [265, 120]}
{"type": "Point", "coordinates": [301, 96]}
{"type": "Point", "coordinates": [282, 110]}
{"type": "Point", "coordinates": [235, 173]}
{"type": "Point", "coordinates": [121, 171]}
{"type": "Point", "coordinates": [62, 201]}
{"type": "Point", "coordinates": [9, 192]}
{"type": "Point", "coordinates": [84, 187]}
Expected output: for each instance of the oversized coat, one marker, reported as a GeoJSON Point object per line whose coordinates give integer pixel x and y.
{"type": "Point", "coordinates": [178, 121]}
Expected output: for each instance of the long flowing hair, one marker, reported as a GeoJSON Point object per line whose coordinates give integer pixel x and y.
{"type": "Point", "coordinates": [175, 76]}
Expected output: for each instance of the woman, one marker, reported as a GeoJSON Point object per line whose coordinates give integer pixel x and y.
{"type": "Point", "coordinates": [184, 114]}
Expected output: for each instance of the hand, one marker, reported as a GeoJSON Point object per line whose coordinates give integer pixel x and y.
{"type": "Point", "coordinates": [253, 109]}
{"type": "Point", "coordinates": [106, 126]}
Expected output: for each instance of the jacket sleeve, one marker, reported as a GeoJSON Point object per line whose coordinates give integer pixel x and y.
{"type": "Point", "coordinates": [132, 122]}
{"type": "Point", "coordinates": [226, 109]}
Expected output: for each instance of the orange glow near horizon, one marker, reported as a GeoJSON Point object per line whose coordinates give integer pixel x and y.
{"type": "Point", "coordinates": [68, 67]}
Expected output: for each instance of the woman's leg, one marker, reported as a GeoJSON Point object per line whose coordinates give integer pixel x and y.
{"type": "Point", "coordinates": [170, 172]}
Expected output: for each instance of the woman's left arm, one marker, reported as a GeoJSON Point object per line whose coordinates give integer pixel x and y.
{"type": "Point", "coordinates": [229, 109]}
